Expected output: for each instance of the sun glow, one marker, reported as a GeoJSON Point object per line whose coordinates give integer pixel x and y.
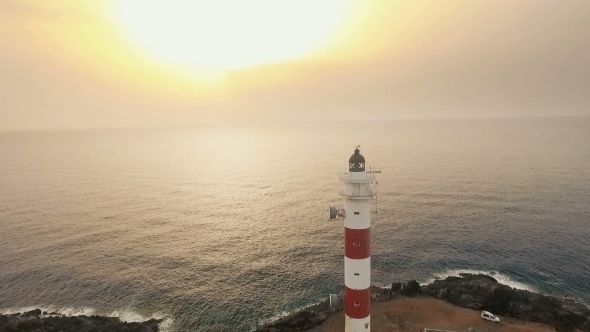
{"type": "Point", "coordinates": [220, 35]}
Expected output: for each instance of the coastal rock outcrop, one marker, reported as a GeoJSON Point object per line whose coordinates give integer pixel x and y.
{"type": "Point", "coordinates": [35, 321]}
{"type": "Point", "coordinates": [482, 292]}
{"type": "Point", "coordinates": [472, 291]}
{"type": "Point", "coordinates": [302, 320]}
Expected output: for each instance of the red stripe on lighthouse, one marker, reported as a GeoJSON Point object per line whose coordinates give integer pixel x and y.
{"type": "Point", "coordinates": [357, 243]}
{"type": "Point", "coordinates": [357, 303]}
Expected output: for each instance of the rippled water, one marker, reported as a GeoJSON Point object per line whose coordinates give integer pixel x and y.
{"type": "Point", "coordinates": [217, 229]}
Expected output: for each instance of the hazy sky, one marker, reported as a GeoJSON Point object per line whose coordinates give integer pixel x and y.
{"type": "Point", "coordinates": [97, 64]}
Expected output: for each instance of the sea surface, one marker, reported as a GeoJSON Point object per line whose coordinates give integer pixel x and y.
{"type": "Point", "coordinates": [222, 228]}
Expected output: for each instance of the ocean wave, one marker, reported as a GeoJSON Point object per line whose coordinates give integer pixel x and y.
{"type": "Point", "coordinates": [380, 285]}
{"type": "Point", "coordinates": [501, 277]}
{"type": "Point", "coordinates": [130, 316]}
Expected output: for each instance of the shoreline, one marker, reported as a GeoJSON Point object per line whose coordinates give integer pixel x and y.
{"type": "Point", "coordinates": [38, 320]}
{"type": "Point", "coordinates": [474, 292]}
{"type": "Point", "coordinates": [471, 292]}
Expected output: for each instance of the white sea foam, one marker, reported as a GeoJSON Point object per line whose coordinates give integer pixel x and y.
{"type": "Point", "coordinates": [84, 311]}
{"type": "Point", "coordinates": [128, 315]}
{"type": "Point", "coordinates": [502, 278]}
{"type": "Point", "coordinates": [166, 325]}
{"type": "Point", "coordinates": [380, 285]}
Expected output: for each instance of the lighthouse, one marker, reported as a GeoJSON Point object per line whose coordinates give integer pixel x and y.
{"type": "Point", "coordinates": [358, 190]}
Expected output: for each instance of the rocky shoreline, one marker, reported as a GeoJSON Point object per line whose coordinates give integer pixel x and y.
{"type": "Point", "coordinates": [476, 292]}
{"type": "Point", "coordinates": [481, 292]}
{"type": "Point", "coordinates": [37, 321]}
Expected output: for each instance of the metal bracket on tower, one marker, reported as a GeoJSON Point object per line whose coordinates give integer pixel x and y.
{"type": "Point", "coordinates": [374, 184]}
{"type": "Point", "coordinates": [334, 212]}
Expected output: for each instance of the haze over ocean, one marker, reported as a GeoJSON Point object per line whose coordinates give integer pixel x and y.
{"type": "Point", "coordinates": [220, 228]}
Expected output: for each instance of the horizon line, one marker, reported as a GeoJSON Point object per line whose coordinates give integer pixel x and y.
{"type": "Point", "coordinates": [286, 122]}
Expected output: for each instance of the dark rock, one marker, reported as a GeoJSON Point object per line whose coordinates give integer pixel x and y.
{"type": "Point", "coordinates": [303, 320]}
{"type": "Point", "coordinates": [412, 288]}
{"type": "Point", "coordinates": [32, 314]}
{"type": "Point", "coordinates": [481, 292]}
{"type": "Point", "coordinates": [31, 322]}
{"type": "Point", "coordinates": [300, 321]}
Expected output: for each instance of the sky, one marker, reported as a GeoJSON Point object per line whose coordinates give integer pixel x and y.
{"type": "Point", "coordinates": [71, 64]}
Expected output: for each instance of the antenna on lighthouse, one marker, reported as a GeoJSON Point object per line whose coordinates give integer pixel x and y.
{"type": "Point", "coordinates": [374, 185]}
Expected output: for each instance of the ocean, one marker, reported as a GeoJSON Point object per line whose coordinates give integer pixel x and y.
{"type": "Point", "coordinates": [220, 228]}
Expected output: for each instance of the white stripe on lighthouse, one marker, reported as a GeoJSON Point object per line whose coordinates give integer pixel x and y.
{"type": "Point", "coordinates": [357, 325]}
{"type": "Point", "coordinates": [357, 273]}
{"type": "Point", "coordinates": [358, 213]}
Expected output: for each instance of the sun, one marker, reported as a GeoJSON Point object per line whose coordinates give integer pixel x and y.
{"type": "Point", "coordinates": [220, 35]}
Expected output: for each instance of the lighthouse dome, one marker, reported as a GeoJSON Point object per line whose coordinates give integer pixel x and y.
{"type": "Point", "coordinates": [356, 163]}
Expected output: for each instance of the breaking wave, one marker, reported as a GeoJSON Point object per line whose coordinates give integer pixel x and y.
{"type": "Point", "coordinates": [501, 277]}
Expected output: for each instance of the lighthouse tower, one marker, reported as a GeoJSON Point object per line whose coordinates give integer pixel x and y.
{"type": "Point", "coordinates": [357, 192]}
